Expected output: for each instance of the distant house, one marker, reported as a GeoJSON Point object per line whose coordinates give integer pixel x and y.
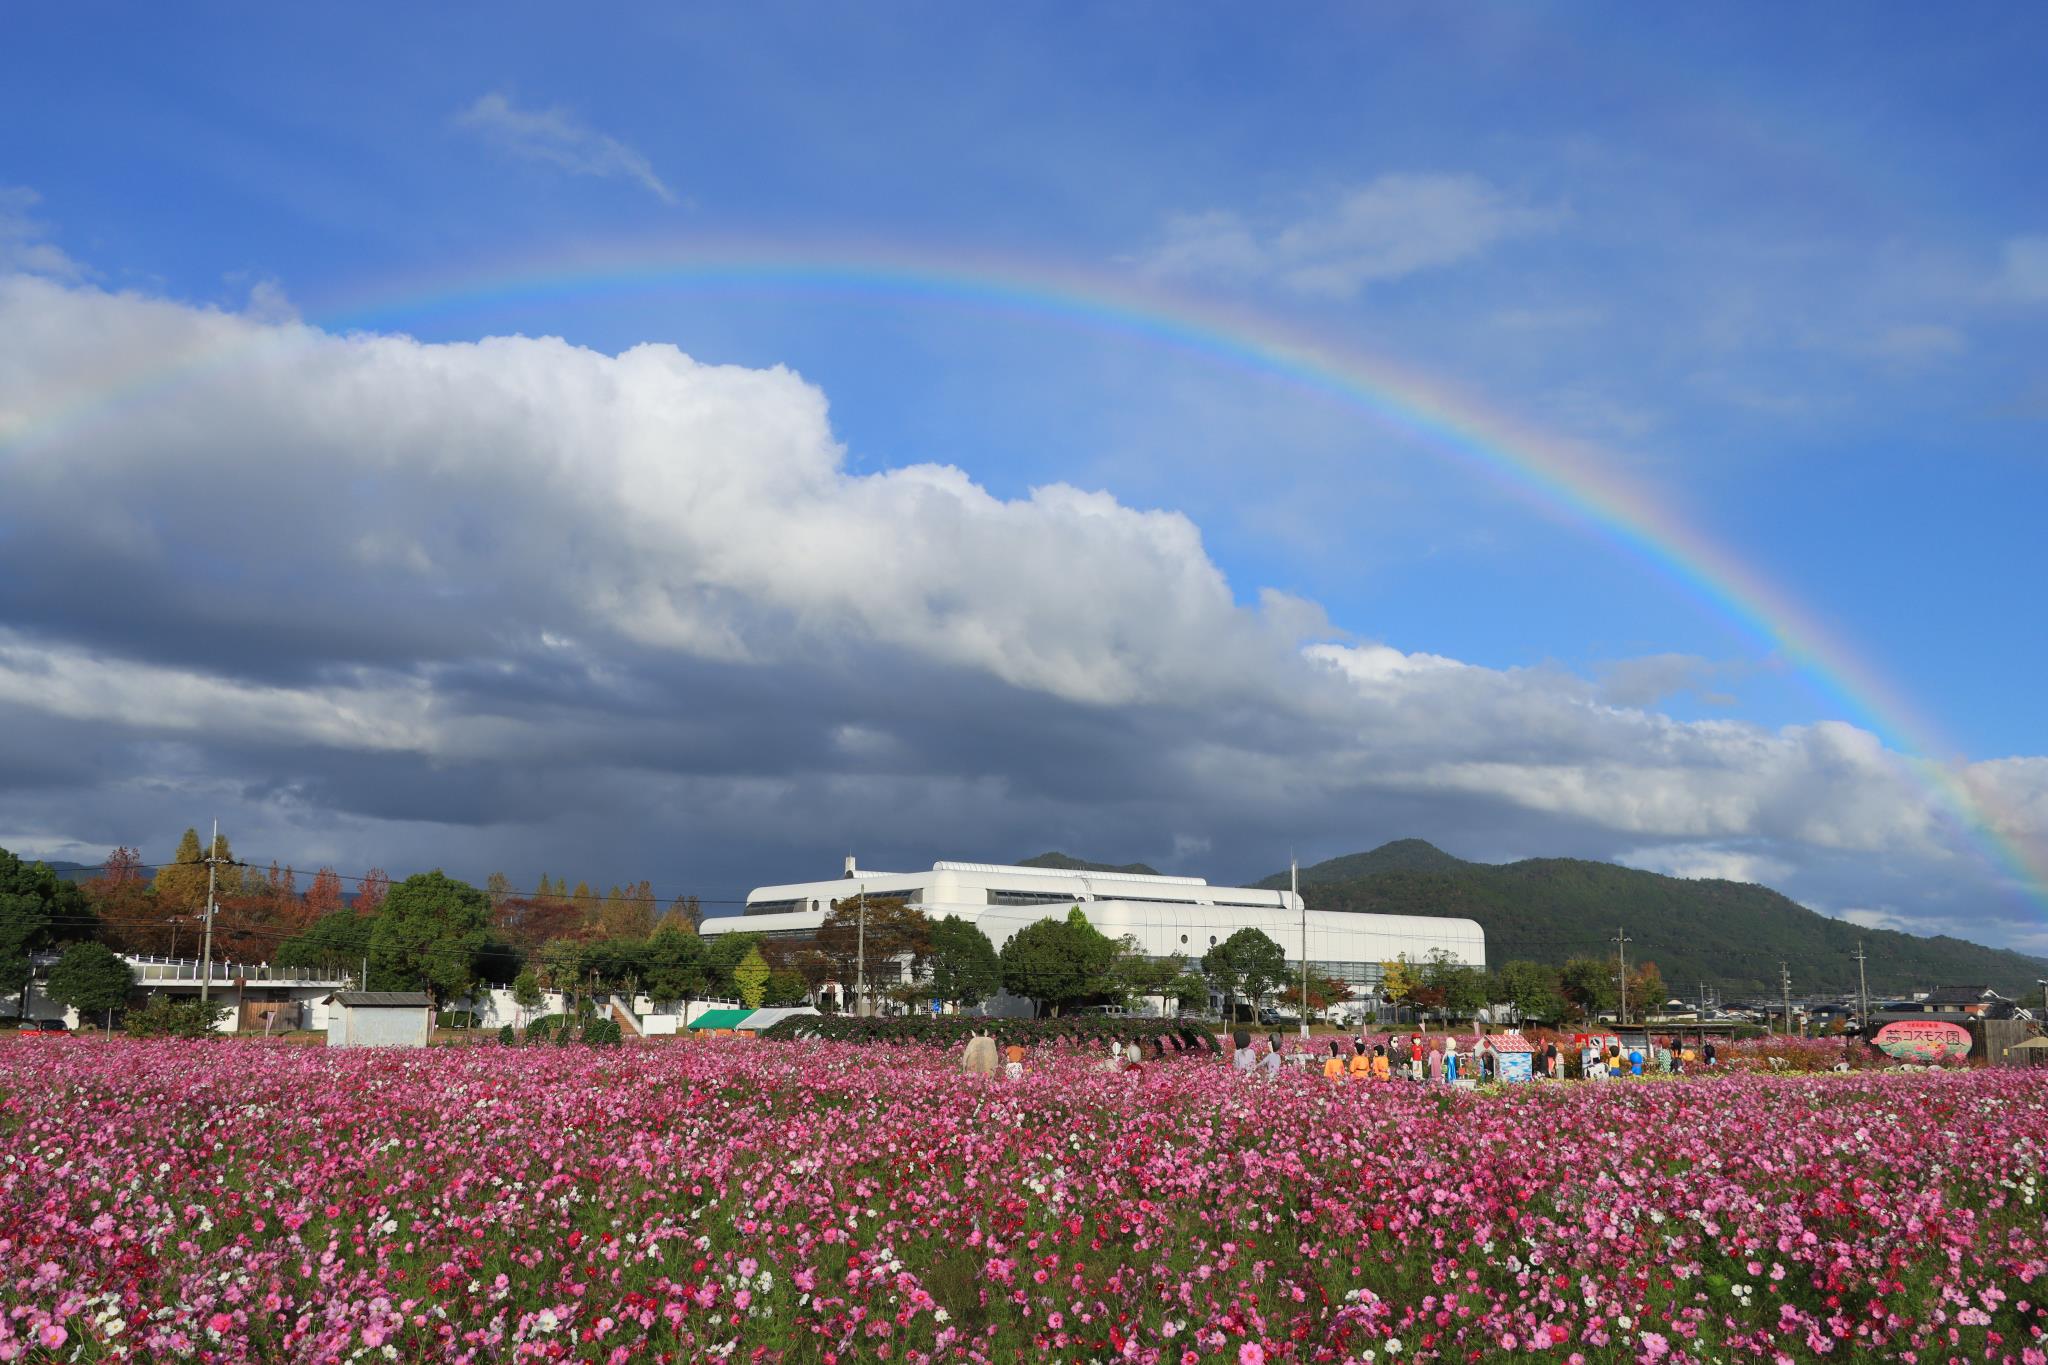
{"type": "Point", "coordinates": [379, 1019]}
{"type": "Point", "coordinates": [1974, 1000]}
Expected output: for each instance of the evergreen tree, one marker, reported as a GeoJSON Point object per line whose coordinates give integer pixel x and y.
{"type": "Point", "coordinates": [1246, 965]}
{"type": "Point", "coordinates": [675, 966]}
{"type": "Point", "coordinates": [964, 965]}
{"type": "Point", "coordinates": [37, 909]}
{"type": "Point", "coordinates": [92, 979]}
{"type": "Point", "coordinates": [428, 935]}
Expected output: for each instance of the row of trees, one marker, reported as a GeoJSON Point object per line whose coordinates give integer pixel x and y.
{"type": "Point", "coordinates": [443, 935]}
{"type": "Point", "coordinates": [1582, 988]}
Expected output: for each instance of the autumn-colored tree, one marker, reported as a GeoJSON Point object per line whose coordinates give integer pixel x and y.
{"type": "Point", "coordinates": [627, 914]}
{"type": "Point", "coordinates": [128, 914]}
{"type": "Point", "coordinates": [324, 896]}
{"type": "Point", "coordinates": [894, 932]}
{"type": "Point", "coordinates": [498, 887]}
{"type": "Point", "coordinates": [180, 884]}
{"type": "Point", "coordinates": [370, 893]}
{"type": "Point", "coordinates": [1323, 992]}
{"type": "Point", "coordinates": [1398, 981]}
{"type": "Point", "coordinates": [689, 910]}
{"type": "Point", "coordinates": [1645, 992]}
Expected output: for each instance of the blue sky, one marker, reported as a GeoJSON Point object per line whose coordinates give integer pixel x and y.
{"type": "Point", "coordinates": [1787, 271]}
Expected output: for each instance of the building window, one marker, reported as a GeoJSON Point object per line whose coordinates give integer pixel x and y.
{"type": "Point", "coordinates": [998, 896]}
{"type": "Point", "coordinates": [773, 907]}
{"type": "Point", "coordinates": [1184, 938]}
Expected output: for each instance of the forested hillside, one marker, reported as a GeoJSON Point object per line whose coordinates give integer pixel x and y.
{"type": "Point", "coordinates": [1729, 935]}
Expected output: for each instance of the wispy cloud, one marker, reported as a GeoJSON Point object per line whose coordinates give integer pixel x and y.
{"type": "Point", "coordinates": [556, 137]}
{"type": "Point", "coordinates": [22, 238]}
{"type": "Point", "coordinates": [1392, 226]}
{"type": "Point", "coordinates": [2026, 269]}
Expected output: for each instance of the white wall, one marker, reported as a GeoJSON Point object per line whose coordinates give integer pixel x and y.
{"type": "Point", "coordinates": [374, 1026]}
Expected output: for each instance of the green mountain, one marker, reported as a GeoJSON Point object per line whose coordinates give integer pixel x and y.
{"type": "Point", "coordinates": [1064, 863]}
{"type": "Point", "coordinates": [1731, 936]}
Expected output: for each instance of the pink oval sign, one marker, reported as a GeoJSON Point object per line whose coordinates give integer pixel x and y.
{"type": "Point", "coordinates": [1924, 1040]}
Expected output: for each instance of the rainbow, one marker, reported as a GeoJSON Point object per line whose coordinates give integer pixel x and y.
{"type": "Point", "coordinates": [1556, 475]}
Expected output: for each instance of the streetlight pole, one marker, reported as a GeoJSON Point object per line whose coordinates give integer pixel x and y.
{"type": "Point", "coordinates": [1862, 990]}
{"type": "Point", "coordinates": [206, 940]}
{"type": "Point", "coordinates": [1294, 889]}
{"type": "Point", "coordinates": [1621, 942]}
{"type": "Point", "coordinates": [860, 968]}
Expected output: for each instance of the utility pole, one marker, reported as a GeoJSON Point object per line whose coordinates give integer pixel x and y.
{"type": "Point", "coordinates": [1862, 990]}
{"type": "Point", "coordinates": [1785, 980]}
{"type": "Point", "coordinates": [860, 968]}
{"type": "Point", "coordinates": [1294, 888]}
{"type": "Point", "coordinates": [206, 938]}
{"type": "Point", "coordinates": [1621, 942]}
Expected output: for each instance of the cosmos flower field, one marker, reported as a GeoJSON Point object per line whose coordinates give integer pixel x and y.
{"type": "Point", "coordinates": [788, 1202]}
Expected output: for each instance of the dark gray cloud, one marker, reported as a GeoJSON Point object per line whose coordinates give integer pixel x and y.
{"type": "Point", "coordinates": [519, 605]}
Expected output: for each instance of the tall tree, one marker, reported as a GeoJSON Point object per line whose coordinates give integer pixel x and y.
{"type": "Point", "coordinates": [428, 934]}
{"type": "Point", "coordinates": [675, 966]}
{"type": "Point", "coordinates": [1057, 963]}
{"type": "Point", "coordinates": [1529, 987]}
{"type": "Point", "coordinates": [1645, 991]}
{"type": "Point", "coordinates": [180, 884]}
{"type": "Point", "coordinates": [1587, 984]}
{"type": "Point", "coordinates": [627, 914]}
{"type": "Point", "coordinates": [127, 911]}
{"type": "Point", "coordinates": [371, 891]}
{"type": "Point", "coordinates": [526, 994]}
{"type": "Point", "coordinates": [1457, 990]}
{"type": "Point", "coordinates": [338, 941]}
{"type": "Point", "coordinates": [785, 988]}
{"type": "Point", "coordinates": [324, 896]}
{"type": "Point", "coordinates": [897, 936]}
{"type": "Point", "coordinates": [964, 966]}
{"type": "Point", "coordinates": [750, 978]}
{"type": "Point", "coordinates": [498, 887]}
{"type": "Point", "coordinates": [1245, 966]}
{"type": "Point", "coordinates": [1398, 981]}
{"type": "Point", "coordinates": [37, 908]}
{"type": "Point", "coordinates": [92, 979]}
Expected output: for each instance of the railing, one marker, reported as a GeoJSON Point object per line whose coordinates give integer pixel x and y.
{"type": "Point", "coordinates": [157, 971]}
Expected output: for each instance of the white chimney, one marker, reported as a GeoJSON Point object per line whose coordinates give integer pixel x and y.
{"type": "Point", "coordinates": [851, 870]}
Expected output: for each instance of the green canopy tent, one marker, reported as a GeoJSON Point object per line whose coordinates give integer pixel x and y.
{"type": "Point", "coordinates": [711, 1020]}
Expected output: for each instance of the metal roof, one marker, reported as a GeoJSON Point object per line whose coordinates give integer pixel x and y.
{"type": "Point", "coordinates": [710, 1019]}
{"type": "Point", "coordinates": [381, 999]}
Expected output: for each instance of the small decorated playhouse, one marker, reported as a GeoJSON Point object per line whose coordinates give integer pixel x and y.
{"type": "Point", "coordinates": [1514, 1059]}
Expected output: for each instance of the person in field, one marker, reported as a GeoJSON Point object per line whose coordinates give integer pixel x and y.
{"type": "Point", "coordinates": [1450, 1060]}
{"type": "Point", "coordinates": [1382, 1065]}
{"type": "Point", "coordinates": [1361, 1065]}
{"type": "Point", "coordinates": [1013, 1061]}
{"type": "Point", "coordinates": [1243, 1059]}
{"type": "Point", "coordinates": [1333, 1065]}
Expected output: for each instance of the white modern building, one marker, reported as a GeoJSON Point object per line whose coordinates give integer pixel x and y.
{"type": "Point", "coordinates": [1165, 915]}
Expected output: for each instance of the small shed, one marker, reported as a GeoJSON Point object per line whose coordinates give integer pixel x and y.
{"type": "Point", "coordinates": [379, 1019]}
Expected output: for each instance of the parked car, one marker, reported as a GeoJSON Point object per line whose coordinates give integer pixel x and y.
{"type": "Point", "coordinates": [44, 1026]}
